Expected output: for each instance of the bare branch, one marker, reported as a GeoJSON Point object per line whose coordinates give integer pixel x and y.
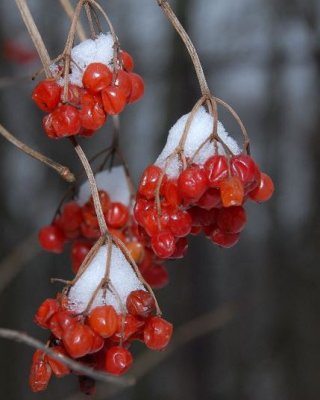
{"type": "Point", "coordinates": [34, 34]}
{"type": "Point", "coordinates": [63, 171]}
{"type": "Point", "coordinates": [22, 337]}
{"type": "Point", "coordinates": [192, 330]}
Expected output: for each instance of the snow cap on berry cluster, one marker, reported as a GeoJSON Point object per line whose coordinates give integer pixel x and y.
{"type": "Point", "coordinates": [122, 276]}
{"type": "Point", "coordinates": [200, 129]}
{"type": "Point", "coordinates": [99, 50]}
{"type": "Point", "coordinates": [113, 182]}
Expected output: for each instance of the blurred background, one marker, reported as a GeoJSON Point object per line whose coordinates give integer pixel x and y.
{"type": "Point", "coordinates": [263, 58]}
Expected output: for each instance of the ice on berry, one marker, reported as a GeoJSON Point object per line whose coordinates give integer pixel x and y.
{"type": "Point", "coordinates": [122, 276]}
{"type": "Point", "coordinates": [114, 182]}
{"type": "Point", "coordinates": [200, 129]}
{"type": "Point", "coordinates": [99, 50]}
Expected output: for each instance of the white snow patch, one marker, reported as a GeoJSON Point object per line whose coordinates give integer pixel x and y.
{"type": "Point", "coordinates": [200, 129]}
{"type": "Point", "coordinates": [114, 182]}
{"type": "Point", "coordinates": [122, 276]}
{"type": "Point", "coordinates": [87, 52]}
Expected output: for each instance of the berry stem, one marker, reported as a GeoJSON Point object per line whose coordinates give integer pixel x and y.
{"type": "Point", "coordinates": [69, 10]}
{"type": "Point", "coordinates": [87, 8]}
{"type": "Point", "coordinates": [22, 337]}
{"type": "Point", "coordinates": [35, 35]}
{"type": "Point", "coordinates": [93, 186]}
{"type": "Point", "coordinates": [63, 171]}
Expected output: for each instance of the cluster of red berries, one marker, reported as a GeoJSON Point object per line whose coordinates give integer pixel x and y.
{"type": "Point", "coordinates": [100, 340]}
{"type": "Point", "coordinates": [205, 198]}
{"type": "Point", "coordinates": [79, 225]}
{"type": "Point", "coordinates": [105, 92]}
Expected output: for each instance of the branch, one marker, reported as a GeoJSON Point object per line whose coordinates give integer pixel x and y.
{"type": "Point", "coordinates": [166, 8]}
{"type": "Point", "coordinates": [22, 337]}
{"type": "Point", "coordinates": [69, 10]}
{"type": "Point", "coordinates": [192, 330]}
{"type": "Point", "coordinates": [63, 171]}
{"type": "Point", "coordinates": [35, 35]}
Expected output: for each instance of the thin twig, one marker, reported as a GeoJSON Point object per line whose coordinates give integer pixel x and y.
{"type": "Point", "coordinates": [22, 337]}
{"type": "Point", "coordinates": [35, 35]}
{"type": "Point", "coordinates": [166, 8]}
{"type": "Point", "coordinates": [93, 186]}
{"type": "Point", "coordinates": [182, 336]}
{"type": "Point", "coordinates": [63, 171]}
{"type": "Point", "coordinates": [69, 10]}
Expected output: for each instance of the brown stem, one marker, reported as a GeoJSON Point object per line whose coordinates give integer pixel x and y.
{"type": "Point", "coordinates": [34, 34]}
{"type": "Point", "coordinates": [69, 10]}
{"type": "Point", "coordinates": [166, 8]}
{"type": "Point", "coordinates": [22, 337]}
{"type": "Point", "coordinates": [63, 171]}
{"type": "Point", "coordinates": [87, 8]}
{"type": "Point", "coordinates": [93, 186]}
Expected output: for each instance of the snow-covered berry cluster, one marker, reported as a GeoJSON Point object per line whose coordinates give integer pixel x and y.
{"type": "Point", "coordinates": [99, 84]}
{"type": "Point", "coordinates": [77, 224]}
{"type": "Point", "coordinates": [202, 187]}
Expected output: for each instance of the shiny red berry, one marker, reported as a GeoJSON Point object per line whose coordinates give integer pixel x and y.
{"type": "Point", "coordinates": [192, 183]}
{"type": "Point", "coordinates": [163, 244]}
{"type": "Point", "coordinates": [157, 333]}
{"type": "Point", "coordinates": [216, 168]}
{"type": "Point", "coordinates": [103, 320]}
{"type": "Point", "coordinates": [124, 83]}
{"type": "Point", "coordinates": [127, 60]}
{"type": "Point", "coordinates": [180, 223]}
{"type": "Point", "coordinates": [246, 170]}
{"type": "Point", "coordinates": [40, 372]}
{"type": "Point", "coordinates": [117, 215]}
{"type": "Point", "coordinates": [46, 310]}
{"type": "Point", "coordinates": [60, 322]}
{"type": "Point", "coordinates": [66, 121]}
{"type": "Point", "coordinates": [231, 219]}
{"type": "Point", "coordinates": [114, 100]}
{"type": "Point", "coordinates": [140, 303]}
{"type": "Point", "coordinates": [265, 189]}
{"type": "Point", "coordinates": [149, 181]}
{"type": "Point", "coordinates": [96, 77]}
{"type": "Point", "coordinates": [78, 340]}
{"type": "Point", "coordinates": [223, 239]}
{"type": "Point", "coordinates": [79, 250]}
{"type": "Point", "coordinates": [232, 192]}
{"type": "Point", "coordinates": [58, 367]}
{"type": "Point", "coordinates": [92, 115]}
{"type": "Point", "coordinates": [118, 360]}
{"type": "Point", "coordinates": [137, 90]}
{"type": "Point", "coordinates": [51, 238]}
{"type": "Point", "coordinates": [47, 95]}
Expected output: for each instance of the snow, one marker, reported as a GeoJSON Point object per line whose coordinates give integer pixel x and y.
{"type": "Point", "coordinates": [114, 182]}
{"type": "Point", "coordinates": [99, 50]}
{"type": "Point", "coordinates": [200, 129]}
{"type": "Point", "coordinates": [122, 276]}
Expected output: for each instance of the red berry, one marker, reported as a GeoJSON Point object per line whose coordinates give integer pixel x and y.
{"type": "Point", "coordinates": [170, 192]}
{"type": "Point", "coordinates": [58, 368]}
{"type": "Point", "coordinates": [71, 217]}
{"type": "Point", "coordinates": [180, 223]}
{"type": "Point", "coordinates": [140, 303]}
{"type": "Point", "coordinates": [60, 322]}
{"type": "Point", "coordinates": [137, 90]}
{"type": "Point", "coordinates": [264, 191]}
{"type": "Point", "coordinates": [127, 326]}
{"type": "Point", "coordinates": [97, 342]}
{"type": "Point", "coordinates": [127, 61]}
{"type": "Point", "coordinates": [246, 170]}
{"type": "Point", "coordinates": [136, 250]}
{"type": "Point", "coordinates": [74, 95]}
{"type": "Point", "coordinates": [117, 216]}
{"type": "Point", "coordinates": [231, 219]}
{"type": "Point", "coordinates": [118, 360]}
{"type": "Point", "coordinates": [45, 312]}
{"type": "Point", "coordinates": [77, 340]}
{"type": "Point", "coordinates": [192, 183]}
{"type": "Point", "coordinates": [66, 121]}
{"type": "Point", "coordinates": [163, 244]}
{"type": "Point", "coordinates": [48, 127]}
{"type": "Point", "coordinates": [216, 168]}
{"type": "Point", "coordinates": [103, 320]}
{"type": "Point", "coordinates": [92, 115]}
{"type": "Point", "coordinates": [149, 181]}
{"type": "Point", "coordinates": [79, 250]}
{"type": "Point", "coordinates": [157, 333]}
{"type": "Point", "coordinates": [123, 81]}
{"type": "Point", "coordinates": [210, 199]}
{"type": "Point", "coordinates": [157, 276]}
{"type": "Point", "coordinates": [232, 192]}
{"type": "Point", "coordinates": [104, 200]}
{"type": "Point", "coordinates": [114, 100]}
{"type": "Point", "coordinates": [181, 248]}
{"type": "Point", "coordinates": [97, 77]}
{"type": "Point", "coordinates": [140, 208]}
{"type": "Point", "coordinates": [225, 240]}
{"type": "Point", "coordinates": [40, 372]}
{"type": "Point", "coordinates": [47, 95]}
{"type": "Point", "coordinates": [51, 238]}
